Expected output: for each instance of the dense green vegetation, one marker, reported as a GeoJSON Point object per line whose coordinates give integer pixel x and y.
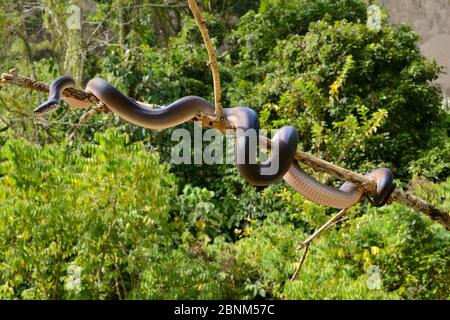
{"type": "Point", "coordinates": [105, 216]}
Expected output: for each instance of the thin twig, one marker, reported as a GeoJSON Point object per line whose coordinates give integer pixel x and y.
{"type": "Point", "coordinates": [212, 58]}
{"type": "Point", "coordinates": [300, 263]}
{"type": "Point", "coordinates": [362, 182]}
{"type": "Point", "coordinates": [319, 231]}
{"type": "Point", "coordinates": [305, 244]}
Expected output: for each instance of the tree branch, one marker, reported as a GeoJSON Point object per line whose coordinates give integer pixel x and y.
{"type": "Point", "coordinates": [369, 186]}
{"type": "Point", "coordinates": [212, 58]}
{"type": "Point", "coordinates": [12, 78]}
{"type": "Point", "coordinates": [305, 244]}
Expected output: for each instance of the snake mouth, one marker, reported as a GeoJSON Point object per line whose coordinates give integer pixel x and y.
{"type": "Point", "coordinates": [47, 107]}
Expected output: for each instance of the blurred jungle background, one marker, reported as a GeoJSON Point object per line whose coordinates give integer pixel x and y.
{"type": "Point", "coordinates": [102, 214]}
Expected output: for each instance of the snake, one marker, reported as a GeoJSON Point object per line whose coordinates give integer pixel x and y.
{"type": "Point", "coordinates": [245, 120]}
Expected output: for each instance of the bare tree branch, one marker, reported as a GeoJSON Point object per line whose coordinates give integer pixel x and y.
{"type": "Point", "coordinates": [12, 78]}
{"type": "Point", "coordinates": [212, 58]}
{"type": "Point", "coordinates": [300, 263]}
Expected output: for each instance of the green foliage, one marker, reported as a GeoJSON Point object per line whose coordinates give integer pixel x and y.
{"type": "Point", "coordinates": [181, 68]}
{"type": "Point", "coordinates": [196, 208]}
{"type": "Point", "coordinates": [354, 94]}
{"type": "Point", "coordinates": [411, 252]}
{"type": "Point", "coordinates": [433, 163]}
{"type": "Point", "coordinates": [96, 208]}
{"type": "Point", "coordinates": [277, 19]}
{"type": "Point", "coordinates": [91, 221]}
{"type": "Point", "coordinates": [406, 253]}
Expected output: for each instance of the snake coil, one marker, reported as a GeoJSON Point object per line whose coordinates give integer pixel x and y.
{"type": "Point", "coordinates": [245, 120]}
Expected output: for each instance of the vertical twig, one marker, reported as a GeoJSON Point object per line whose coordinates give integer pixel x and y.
{"type": "Point", "coordinates": [300, 263]}
{"type": "Point", "coordinates": [305, 244]}
{"type": "Point", "coordinates": [212, 59]}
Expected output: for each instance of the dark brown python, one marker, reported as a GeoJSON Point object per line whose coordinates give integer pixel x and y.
{"type": "Point", "coordinates": [245, 120]}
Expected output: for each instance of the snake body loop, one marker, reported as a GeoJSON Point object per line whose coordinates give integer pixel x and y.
{"type": "Point", "coordinates": [344, 197]}
{"type": "Point", "coordinates": [281, 163]}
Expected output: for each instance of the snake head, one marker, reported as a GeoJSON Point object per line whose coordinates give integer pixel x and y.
{"type": "Point", "coordinates": [47, 107]}
{"type": "Point", "coordinates": [379, 202]}
{"type": "Point", "coordinates": [385, 185]}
